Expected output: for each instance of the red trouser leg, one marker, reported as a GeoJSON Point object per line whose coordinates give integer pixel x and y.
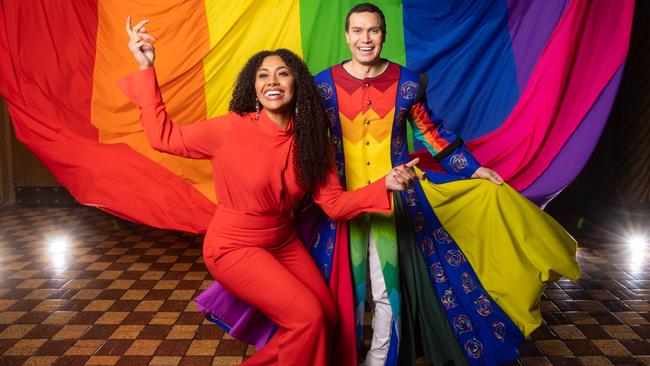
{"type": "Point", "coordinates": [286, 286]}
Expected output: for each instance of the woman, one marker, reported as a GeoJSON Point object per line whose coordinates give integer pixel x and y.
{"type": "Point", "coordinates": [267, 153]}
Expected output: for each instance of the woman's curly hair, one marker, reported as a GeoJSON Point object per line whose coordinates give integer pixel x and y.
{"type": "Point", "coordinates": [312, 146]}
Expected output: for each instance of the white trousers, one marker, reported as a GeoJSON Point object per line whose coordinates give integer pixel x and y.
{"type": "Point", "coordinates": [381, 321]}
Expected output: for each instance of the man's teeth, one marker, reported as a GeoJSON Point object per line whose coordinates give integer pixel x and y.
{"type": "Point", "coordinates": [365, 48]}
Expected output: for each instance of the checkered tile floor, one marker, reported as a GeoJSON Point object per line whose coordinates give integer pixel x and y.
{"type": "Point", "coordinates": [79, 287]}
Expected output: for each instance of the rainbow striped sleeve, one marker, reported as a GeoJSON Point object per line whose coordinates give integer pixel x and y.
{"type": "Point", "coordinates": [444, 146]}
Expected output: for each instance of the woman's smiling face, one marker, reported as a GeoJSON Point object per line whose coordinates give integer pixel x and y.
{"type": "Point", "coordinates": [274, 85]}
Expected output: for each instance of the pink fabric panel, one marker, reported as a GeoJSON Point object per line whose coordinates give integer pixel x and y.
{"type": "Point", "coordinates": [588, 46]}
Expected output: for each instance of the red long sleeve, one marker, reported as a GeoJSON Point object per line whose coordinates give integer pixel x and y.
{"type": "Point", "coordinates": [340, 204]}
{"type": "Point", "coordinates": [196, 140]}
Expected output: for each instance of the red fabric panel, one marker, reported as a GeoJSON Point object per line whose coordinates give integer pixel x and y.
{"type": "Point", "coordinates": [47, 50]}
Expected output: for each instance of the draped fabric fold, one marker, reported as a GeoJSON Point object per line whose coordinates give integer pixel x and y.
{"type": "Point", "coordinates": [540, 145]}
{"type": "Point", "coordinates": [533, 109]}
{"type": "Point", "coordinates": [567, 80]}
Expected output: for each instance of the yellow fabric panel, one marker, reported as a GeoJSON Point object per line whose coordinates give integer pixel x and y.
{"type": "Point", "coordinates": [239, 29]}
{"type": "Point", "coordinates": [356, 129]}
{"type": "Point", "coordinates": [514, 247]}
{"type": "Point", "coordinates": [366, 147]}
{"type": "Point", "coordinates": [376, 153]}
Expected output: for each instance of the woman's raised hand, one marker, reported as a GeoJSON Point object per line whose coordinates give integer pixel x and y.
{"type": "Point", "coordinates": [402, 176]}
{"type": "Point", "coordinates": [140, 43]}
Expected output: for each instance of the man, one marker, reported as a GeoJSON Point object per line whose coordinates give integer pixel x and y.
{"type": "Point", "coordinates": [360, 98]}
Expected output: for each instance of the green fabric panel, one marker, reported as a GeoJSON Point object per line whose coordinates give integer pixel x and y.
{"type": "Point", "coordinates": [425, 328]}
{"type": "Point", "coordinates": [358, 230]}
{"type": "Point", "coordinates": [391, 279]}
{"type": "Point", "coordinates": [383, 230]}
{"type": "Point", "coordinates": [409, 137]}
{"type": "Point", "coordinates": [358, 234]}
{"type": "Point", "coordinates": [322, 31]}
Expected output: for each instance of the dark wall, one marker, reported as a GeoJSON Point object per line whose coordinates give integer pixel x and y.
{"type": "Point", "coordinates": [24, 180]}
{"type": "Point", "coordinates": [6, 166]}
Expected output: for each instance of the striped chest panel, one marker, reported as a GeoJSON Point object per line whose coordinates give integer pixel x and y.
{"type": "Point", "coordinates": [366, 113]}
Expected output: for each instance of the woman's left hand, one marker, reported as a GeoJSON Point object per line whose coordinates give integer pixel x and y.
{"type": "Point", "coordinates": [140, 43]}
{"type": "Point", "coordinates": [489, 174]}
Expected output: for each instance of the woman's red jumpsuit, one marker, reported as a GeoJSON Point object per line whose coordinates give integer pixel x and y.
{"type": "Point", "coordinates": [251, 246]}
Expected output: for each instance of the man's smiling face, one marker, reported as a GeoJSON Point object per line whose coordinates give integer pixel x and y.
{"type": "Point", "coordinates": [365, 37]}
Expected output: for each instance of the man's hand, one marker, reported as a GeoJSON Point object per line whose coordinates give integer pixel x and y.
{"type": "Point", "coordinates": [489, 174]}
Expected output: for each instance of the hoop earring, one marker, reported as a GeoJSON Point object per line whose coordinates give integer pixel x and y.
{"type": "Point", "coordinates": [257, 109]}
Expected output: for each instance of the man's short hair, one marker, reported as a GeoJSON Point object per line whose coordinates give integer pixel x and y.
{"type": "Point", "coordinates": [367, 8]}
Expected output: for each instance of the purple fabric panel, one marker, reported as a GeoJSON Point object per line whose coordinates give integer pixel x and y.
{"type": "Point", "coordinates": [576, 151]}
{"type": "Point", "coordinates": [307, 219]}
{"type": "Point", "coordinates": [531, 23]}
{"type": "Point", "coordinates": [246, 323]}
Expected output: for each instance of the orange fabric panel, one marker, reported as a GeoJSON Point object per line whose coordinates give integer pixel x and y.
{"type": "Point", "coordinates": [180, 50]}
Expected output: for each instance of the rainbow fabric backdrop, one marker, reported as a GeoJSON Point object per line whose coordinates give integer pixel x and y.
{"type": "Point", "coordinates": [528, 84]}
